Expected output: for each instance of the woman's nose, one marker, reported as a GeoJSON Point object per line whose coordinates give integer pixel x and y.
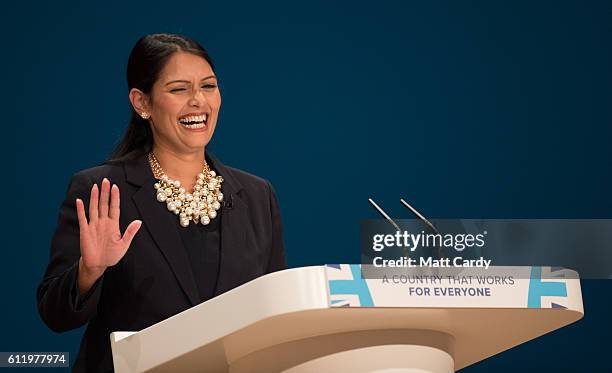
{"type": "Point", "coordinates": [197, 98]}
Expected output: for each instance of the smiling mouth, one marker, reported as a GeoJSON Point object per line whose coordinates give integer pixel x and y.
{"type": "Point", "coordinates": [193, 121]}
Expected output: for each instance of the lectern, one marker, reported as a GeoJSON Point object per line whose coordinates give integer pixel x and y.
{"type": "Point", "coordinates": [330, 319]}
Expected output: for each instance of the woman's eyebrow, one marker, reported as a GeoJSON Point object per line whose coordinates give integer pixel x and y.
{"type": "Point", "coordinates": [187, 81]}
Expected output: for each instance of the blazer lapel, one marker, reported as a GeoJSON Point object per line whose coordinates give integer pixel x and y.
{"type": "Point", "coordinates": [234, 219]}
{"type": "Point", "coordinates": [161, 225]}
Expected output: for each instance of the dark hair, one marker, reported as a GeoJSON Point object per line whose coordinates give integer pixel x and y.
{"type": "Point", "coordinates": [149, 56]}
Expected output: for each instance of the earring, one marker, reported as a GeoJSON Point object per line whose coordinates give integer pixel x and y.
{"type": "Point", "coordinates": [144, 115]}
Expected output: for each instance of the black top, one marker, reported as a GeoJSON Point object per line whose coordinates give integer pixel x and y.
{"type": "Point", "coordinates": [203, 245]}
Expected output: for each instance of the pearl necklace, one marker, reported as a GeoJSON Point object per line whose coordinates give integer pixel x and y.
{"type": "Point", "coordinates": [201, 206]}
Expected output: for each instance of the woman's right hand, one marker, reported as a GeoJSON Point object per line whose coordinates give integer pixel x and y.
{"type": "Point", "coordinates": [102, 244]}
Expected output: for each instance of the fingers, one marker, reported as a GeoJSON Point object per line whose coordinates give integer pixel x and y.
{"type": "Point", "coordinates": [130, 232]}
{"type": "Point", "coordinates": [114, 202]}
{"type": "Point", "coordinates": [93, 204]}
{"type": "Point", "coordinates": [104, 194]}
{"type": "Point", "coordinates": [81, 214]}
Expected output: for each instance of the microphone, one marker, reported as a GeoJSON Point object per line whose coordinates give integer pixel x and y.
{"type": "Point", "coordinates": [228, 202]}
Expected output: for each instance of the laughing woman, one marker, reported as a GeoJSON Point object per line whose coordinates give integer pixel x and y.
{"type": "Point", "coordinates": [192, 227]}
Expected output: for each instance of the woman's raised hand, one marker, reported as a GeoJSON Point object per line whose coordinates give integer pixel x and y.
{"type": "Point", "coordinates": [102, 244]}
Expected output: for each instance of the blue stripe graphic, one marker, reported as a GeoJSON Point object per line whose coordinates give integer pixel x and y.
{"type": "Point", "coordinates": [539, 289]}
{"type": "Point", "coordinates": [356, 286]}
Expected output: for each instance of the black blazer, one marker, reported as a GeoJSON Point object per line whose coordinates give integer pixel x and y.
{"type": "Point", "coordinates": [153, 280]}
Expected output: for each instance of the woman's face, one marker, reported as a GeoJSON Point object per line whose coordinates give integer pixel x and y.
{"type": "Point", "coordinates": [184, 104]}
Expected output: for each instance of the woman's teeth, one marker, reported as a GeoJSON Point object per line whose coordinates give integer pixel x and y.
{"type": "Point", "coordinates": [195, 121]}
{"type": "Point", "coordinates": [195, 125]}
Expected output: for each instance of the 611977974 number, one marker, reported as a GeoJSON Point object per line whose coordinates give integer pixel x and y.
{"type": "Point", "coordinates": [21, 359]}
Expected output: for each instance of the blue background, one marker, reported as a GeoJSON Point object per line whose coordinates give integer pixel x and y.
{"type": "Point", "coordinates": [467, 109]}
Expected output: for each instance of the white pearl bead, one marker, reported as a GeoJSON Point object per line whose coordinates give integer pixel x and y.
{"type": "Point", "coordinates": [189, 197]}
{"type": "Point", "coordinates": [161, 197]}
{"type": "Point", "coordinates": [184, 222]}
{"type": "Point", "coordinates": [200, 176]}
{"type": "Point", "coordinates": [181, 196]}
{"type": "Point", "coordinates": [189, 210]}
{"type": "Point", "coordinates": [216, 205]}
{"type": "Point", "coordinates": [164, 177]}
{"type": "Point", "coordinates": [178, 203]}
{"type": "Point", "coordinates": [183, 215]}
{"type": "Point", "coordinates": [220, 197]}
{"type": "Point", "coordinates": [209, 198]}
{"type": "Point", "coordinates": [181, 190]}
{"type": "Point", "coordinates": [205, 220]}
{"type": "Point", "coordinates": [200, 182]}
{"type": "Point", "coordinates": [168, 192]}
{"type": "Point", "coordinates": [171, 206]}
{"type": "Point", "coordinates": [213, 173]}
{"type": "Point", "coordinates": [212, 214]}
{"type": "Point", "coordinates": [156, 185]}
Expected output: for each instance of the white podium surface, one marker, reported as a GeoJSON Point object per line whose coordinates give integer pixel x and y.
{"type": "Point", "coordinates": [329, 319]}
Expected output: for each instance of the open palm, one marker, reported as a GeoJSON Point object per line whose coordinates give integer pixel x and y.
{"type": "Point", "coordinates": [102, 244]}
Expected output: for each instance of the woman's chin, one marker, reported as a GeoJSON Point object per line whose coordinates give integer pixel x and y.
{"type": "Point", "coordinates": [195, 141]}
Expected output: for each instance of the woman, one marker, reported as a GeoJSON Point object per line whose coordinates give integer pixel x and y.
{"type": "Point", "coordinates": [192, 227]}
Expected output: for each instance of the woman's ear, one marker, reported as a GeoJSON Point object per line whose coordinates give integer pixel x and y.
{"type": "Point", "coordinates": [139, 102]}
